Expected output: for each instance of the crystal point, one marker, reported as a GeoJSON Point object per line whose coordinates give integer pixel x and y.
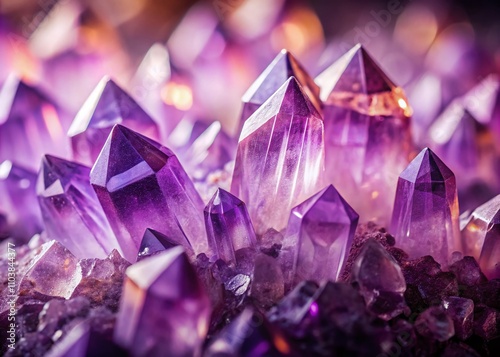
{"type": "Point", "coordinates": [71, 211]}
{"type": "Point", "coordinates": [141, 185]}
{"type": "Point", "coordinates": [425, 216]}
{"type": "Point", "coordinates": [320, 233]}
{"type": "Point", "coordinates": [461, 312]}
{"type": "Point", "coordinates": [154, 242]}
{"type": "Point", "coordinates": [106, 106]}
{"type": "Point", "coordinates": [280, 157]}
{"type": "Point", "coordinates": [164, 304]}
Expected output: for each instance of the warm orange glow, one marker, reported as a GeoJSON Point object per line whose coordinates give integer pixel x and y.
{"type": "Point", "coordinates": [416, 29]}
{"type": "Point", "coordinates": [178, 95]}
{"type": "Point", "coordinates": [52, 122]}
{"type": "Point", "coordinates": [281, 345]}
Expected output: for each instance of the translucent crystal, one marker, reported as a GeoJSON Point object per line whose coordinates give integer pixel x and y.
{"type": "Point", "coordinates": [280, 157]}
{"type": "Point", "coordinates": [154, 242]}
{"type": "Point", "coordinates": [461, 312]}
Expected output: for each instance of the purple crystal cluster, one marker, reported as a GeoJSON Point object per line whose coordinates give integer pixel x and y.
{"type": "Point", "coordinates": [179, 239]}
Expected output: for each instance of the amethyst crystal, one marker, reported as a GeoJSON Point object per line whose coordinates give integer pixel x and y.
{"type": "Point", "coordinates": [319, 236]}
{"type": "Point", "coordinates": [279, 157]}
{"type": "Point", "coordinates": [367, 133]}
{"type": "Point", "coordinates": [284, 66]}
{"type": "Point", "coordinates": [481, 237]}
{"type": "Point", "coordinates": [141, 185]}
{"type": "Point", "coordinates": [154, 242]}
{"type": "Point", "coordinates": [380, 280]}
{"type": "Point", "coordinates": [71, 211]}
{"type": "Point", "coordinates": [106, 106]}
{"type": "Point", "coordinates": [435, 324]}
{"type": "Point", "coordinates": [29, 125]}
{"type": "Point", "coordinates": [163, 310]}
{"type": "Point", "coordinates": [461, 312]}
{"type": "Point", "coordinates": [229, 228]}
{"type": "Point", "coordinates": [18, 202]}
{"type": "Point", "coordinates": [425, 216]}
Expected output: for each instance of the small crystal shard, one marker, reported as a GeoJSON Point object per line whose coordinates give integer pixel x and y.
{"type": "Point", "coordinates": [18, 202]}
{"type": "Point", "coordinates": [284, 66]}
{"type": "Point", "coordinates": [106, 106]}
{"type": "Point", "coordinates": [280, 157]}
{"type": "Point", "coordinates": [30, 125]}
{"type": "Point", "coordinates": [53, 271]}
{"type": "Point", "coordinates": [425, 216]}
{"type": "Point", "coordinates": [435, 324]}
{"type": "Point", "coordinates": [164, 309]}
{"type": "Point", "coordinates": [154, 242]}
{"type": "Point", "coordinates": [229, 228]}
{"type": "Point", "coordinates": [367, 133]}
{"type": "Point", "coordinates": [320, 233]}
{"type": "Point", "coordinates": [481, 237]}
{"type": "Point", "coordinates": [71, 211]}
{"type": "Point", "coordinates": [141, 185]}
{"type": "Point", "coordinates": [380, 280]}
{"type": "Point", "coordinates": [461, 312]}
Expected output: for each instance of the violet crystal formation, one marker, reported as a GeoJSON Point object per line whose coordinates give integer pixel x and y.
{"type": "Point", "coordinates": [141, 185]}
{"type": "Point", "coordinates": [279, 160]}
{"type": "Point", "coordinates": [425, 216]}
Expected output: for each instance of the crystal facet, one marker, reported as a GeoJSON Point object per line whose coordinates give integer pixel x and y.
{"type": "Point", "coordinates": [461, 312]}
{"type": "Point", "coordinates": [18, 202]}
{"type": "Point", "coordinates": [280, 157]}
{"type": "Point", "coordinates": [425, 216]}
{"type": "Point", "coordinates": [380, 280]}
{"type": "Point", "coordinates": [284, 66]}
{"type": "Point", "coordinates": [367, 133]}
{"type": "Point", "coordinates": [71, 211]}
{"type": "Point", "coordinates": [164, 309]}
{"type": "Point", "coordinates": [154, 242]}
{"type": "Point", "coordinates": [319, 236]}
{"type": "Point", "coordinates": [229, 228]}
{"type": "Point", "coordinates": [30, 125]}
{"type": "Point", "coordinates": [106, 106]}
{"type": "Point", "coordinates": [481, 237]}
{"type": "Point", "coordinates": [141, 185]}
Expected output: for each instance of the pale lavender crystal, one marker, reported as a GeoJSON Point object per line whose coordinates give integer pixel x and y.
{"type": "Point", "coordinates": [228, 226]}
{"type": "Point", "coordinates": [425, 216]}
{"type": "Point", "coordinates": [18, 202]}
{"type": "Point", "coordinates": [481, 237]}
{"type": "Point", "coordinates": [164, 310]}
{"type": "Point", "coordinates": [106, 106]}
{"type": "Point", "coordinates": [367, 133]}
{"type": "Point", "coordinates": [154, 242]}
{"type": "Point", "coordinates": [280, 157]}
{"type": "Point", "coordinates": [71, 212]}
{"type": "Point", "coordinates": [30, 125]}
{"type": "Point", "coordinates": [319, 236]}
{"type": "Point", "coordinates": [284, 66]}
{"type": "Point", "coordinates": [461, 311]}
{"type": "Point", "coordinates": [380, 280]}
{"type": "Point", "coordinates": [53, 271]}
{"type": "Point", "coordinates": [141, 185]}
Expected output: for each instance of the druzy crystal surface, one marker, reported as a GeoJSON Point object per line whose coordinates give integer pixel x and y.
{"type": "Point", "coordinates": [367, 133]}
{"type": "Point", "coordinates": [141, 185]}
{"type": "Point", "coordinates": [18, 202]}
{"type": "Point", "coordinates": [481, 237]}
{"type": "Point", "coordinates": [284, 66]}
{"type": "Point", "coordinates": [319, 236]}
{"type": "Point", "coordinates": [280, 155]}
{"type": "Point", "coordinates": [107, 105]}
{"type": "Point", "coordinates": [71, 211]}
{"type": "Point", "coordinates": [164, 309]}
{"type": "Point", "coordinates": [425, 216]}
{"type": "Point", "coordinates": [30, 125]}
{"type": "Point", "coordinates": [229, 228]}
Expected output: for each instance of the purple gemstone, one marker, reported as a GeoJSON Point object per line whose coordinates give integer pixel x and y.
{"type": "Point", "coordinates": [268, 284]}
{"type": "Point", "coordinates": [486, 322]}
{"type": "Point", "coordinates": [284, 66]}
{"type": "Point", "coordinates": [435, 324]}
{"type": "Point", "coordinates": [380, 279]}
{"type": "Point", "coordinates": [53, 271]}
{"type": "Point", "coordinates": [228, 226]}
{"type": "Point", "coordinates": [30, 125]}
{"type": "Point", "coordinates": [319, 236]}
{"type": "Point", "coordinates": [279, 157]}
{"type": "Point", "coordinates": [461, 312]}
{"type": "Point", "coordinates": [141, 185]}
{"type": "Point", "coordinates": [18, 202]}
{"type": "Point", "coordinates": [164, 310]}
{"type": "Point", "coordinates": [481, 237]}
{"type": "Point", "coordinates": [106, 106]}
{"type": "Point", "coordinates": [367, 133]}
{"type": "Point", "coordinates": [154, 242]}
{"type": "Point", "coordinates": [425, 216]}
{"type": "Point", "coordinates": [71, 211]}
